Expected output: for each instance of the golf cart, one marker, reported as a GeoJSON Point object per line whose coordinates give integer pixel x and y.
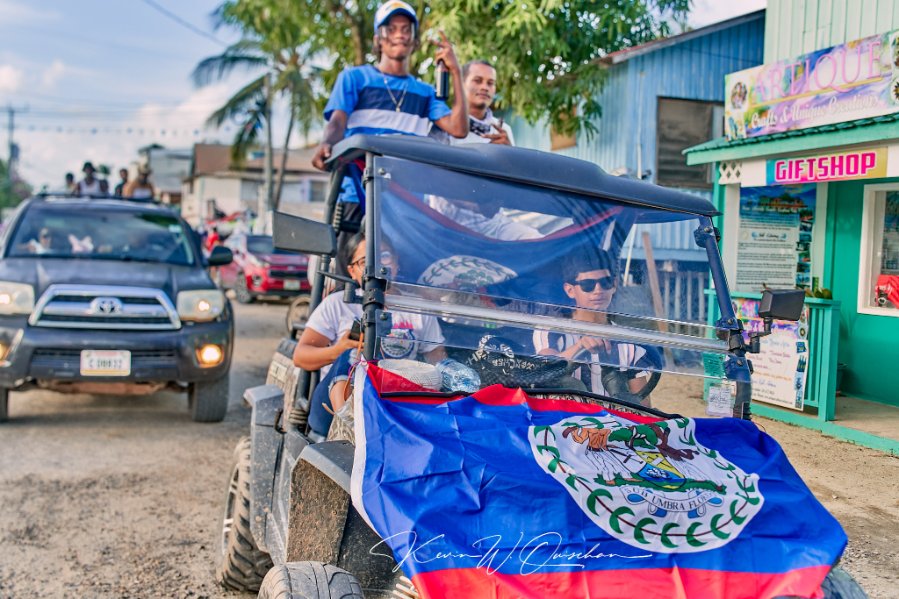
{"type": "Point", "coordinates": [479, 239]}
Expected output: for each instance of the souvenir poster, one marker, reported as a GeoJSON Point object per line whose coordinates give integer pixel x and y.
{"type": "Point", "coordinates": [775, 237]}
{"type": "Point", "coordinates": [779, 370]}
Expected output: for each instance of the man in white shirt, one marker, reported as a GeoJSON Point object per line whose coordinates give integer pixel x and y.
{"type": "Point", "coordinates": [479, 83]}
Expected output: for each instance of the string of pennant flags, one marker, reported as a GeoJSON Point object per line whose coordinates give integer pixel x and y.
{"type": "Point", "coordinates": [135, 131]}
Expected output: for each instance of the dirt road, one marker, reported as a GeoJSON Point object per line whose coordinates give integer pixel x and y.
{"type": "Point", "coordinates": [109, 498]}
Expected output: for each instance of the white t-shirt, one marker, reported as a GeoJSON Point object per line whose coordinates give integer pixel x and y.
{"type": "Point", "coordinates": [410, 334]}
{"type": "Point", "coordinates": [474, 138]}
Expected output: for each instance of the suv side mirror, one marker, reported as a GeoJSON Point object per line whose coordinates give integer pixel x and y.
{"type": "Point", "coordinates": [220, 256]}
{"type": "Point", "coordinates": [296, 234]}
{"type": "Point", "coordinates": [779, 304]}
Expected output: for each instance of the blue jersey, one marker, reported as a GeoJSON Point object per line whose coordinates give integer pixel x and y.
{"type": "Point", "coordinates": [379, 104]}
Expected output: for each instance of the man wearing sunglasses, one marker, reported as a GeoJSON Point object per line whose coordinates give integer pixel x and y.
{"type": "Point", "coordinates": [591, 281]}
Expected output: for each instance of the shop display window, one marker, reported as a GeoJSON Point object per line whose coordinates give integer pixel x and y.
{"type": "Point", "coordinates": [879, 282]}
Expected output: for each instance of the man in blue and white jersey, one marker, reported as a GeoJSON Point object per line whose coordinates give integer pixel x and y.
{"type": "Point", "coordinates": [386, 99]}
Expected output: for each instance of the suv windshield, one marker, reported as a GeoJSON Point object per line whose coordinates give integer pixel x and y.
{"type": "Point", "coordinates": [263, 245]}
{"type": "Point", "coordinates": [91, 233]}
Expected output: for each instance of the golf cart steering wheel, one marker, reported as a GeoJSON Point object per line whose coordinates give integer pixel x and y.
{"type": "Point", "coordinates": [615, 382]}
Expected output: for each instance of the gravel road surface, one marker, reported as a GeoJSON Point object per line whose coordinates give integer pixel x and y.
{"type": "Point", "coordinates": [107, 497]}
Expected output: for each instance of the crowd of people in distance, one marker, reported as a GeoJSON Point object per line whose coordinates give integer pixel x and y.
{"type": "Point", "coordinates": [98, 186]}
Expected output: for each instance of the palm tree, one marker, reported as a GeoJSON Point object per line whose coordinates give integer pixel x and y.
{"type": "Point", "coordinates": [285, 73]}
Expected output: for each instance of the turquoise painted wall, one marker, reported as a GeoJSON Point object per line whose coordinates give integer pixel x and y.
{"type": "Point", "coordinates": [869, 345]}
{"type": "Point", "coordinates": [795, 27]}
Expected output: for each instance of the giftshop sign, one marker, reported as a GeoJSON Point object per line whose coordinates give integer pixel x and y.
{"type": "Point", "coordinates": [859, 164]}
{"type": "Point", "coordinates": [855, 80]}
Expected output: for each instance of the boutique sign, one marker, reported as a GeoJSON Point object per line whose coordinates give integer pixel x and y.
{"type": "Point", "coordinates": [855, 80]}
{"type": "Point", "coordinates": [859, 164]}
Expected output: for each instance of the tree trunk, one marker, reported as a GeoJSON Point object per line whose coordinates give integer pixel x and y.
{"type": "Point", "coordinates": [267, 167]}
{"type": "Point", "coordinates": [283, 168]}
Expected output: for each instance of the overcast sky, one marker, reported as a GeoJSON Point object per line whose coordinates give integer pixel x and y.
{"type": "Point", "coordinates": [97, 79]}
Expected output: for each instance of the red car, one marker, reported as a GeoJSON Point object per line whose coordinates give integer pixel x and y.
{"type": "Point", "coordinates": [259, 269]}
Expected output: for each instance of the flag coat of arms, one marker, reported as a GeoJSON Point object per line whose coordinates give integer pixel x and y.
{"type": "Point", "coordinates": [501, 495]}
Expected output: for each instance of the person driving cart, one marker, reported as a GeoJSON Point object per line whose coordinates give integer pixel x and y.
{"type": "Point", "coordinates": [327, 342]}
{"type": "Point", "coordinates": [591, 282]}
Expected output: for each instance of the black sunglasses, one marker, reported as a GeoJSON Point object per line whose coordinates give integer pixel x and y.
{"type": "Point", "coordinates": [589, 285]}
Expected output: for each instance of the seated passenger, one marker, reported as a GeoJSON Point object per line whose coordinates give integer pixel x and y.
{"type": "Point", "coordinates": [326, 345]}
{"type": "Point", "coordinates": [43, 244]}
{"type": "Point", "coordinates": [591, 282]}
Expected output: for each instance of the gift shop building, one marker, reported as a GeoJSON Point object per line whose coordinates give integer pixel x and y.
{"type": "Point", "coordinates": [807, 180]}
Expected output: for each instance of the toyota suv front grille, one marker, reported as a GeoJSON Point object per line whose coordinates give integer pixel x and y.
{"type": "Point", "coordinates": [105, 307]}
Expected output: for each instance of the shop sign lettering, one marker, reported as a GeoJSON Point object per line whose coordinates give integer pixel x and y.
{"type": "Point", "coordinates": [861, 164]}
{"type": "Point", "coordinates": [858, 79]}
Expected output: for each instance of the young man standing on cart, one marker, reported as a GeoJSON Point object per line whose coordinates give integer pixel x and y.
{"type": "Point", "coordinates": [386, 99]}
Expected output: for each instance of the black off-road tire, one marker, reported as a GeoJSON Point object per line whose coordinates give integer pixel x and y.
{"type": "Point", "coordinates": [297, 312]}
{"type": "Point", "coordinates": [208, 400]}
{"type": "Point", "coordinates": [243, 565]}
{"type": "Point", "coordinates": [4, 404]}
{"type": "Point", "coordinates": [241, 292]}
{"type": "Point", "coordinates": [309, 580]}
{"type": "Point", "coordinates": [839, 584]}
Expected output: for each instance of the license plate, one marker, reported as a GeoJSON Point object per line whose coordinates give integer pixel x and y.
{"type": "Point", "coordinates": [102, 362]}
{"type": "Point", "coordinates": [291, 284]}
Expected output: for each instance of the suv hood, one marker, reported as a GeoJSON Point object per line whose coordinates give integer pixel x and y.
{"type": "Point", "coordinates": [283, 259]}
{"type": "Point", "coordinates": [43, 272]}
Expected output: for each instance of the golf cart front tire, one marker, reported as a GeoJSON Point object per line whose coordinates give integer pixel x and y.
{"type": "Point", "coordinates": [309, 580]}
{"type": "Point", "coordinates": [4, 404]}
{"type": "Point", "coordinates": [243, 565]}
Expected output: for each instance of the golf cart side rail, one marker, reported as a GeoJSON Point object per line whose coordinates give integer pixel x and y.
{"type": "Point", "coordinates": [520, 165]}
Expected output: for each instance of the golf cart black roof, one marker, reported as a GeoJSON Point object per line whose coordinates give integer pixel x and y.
{"type": "Point", "coordinates": [529, 167]}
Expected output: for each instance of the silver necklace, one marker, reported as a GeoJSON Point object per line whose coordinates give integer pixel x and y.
{"type": "Point", "coordinates": [398, 104]}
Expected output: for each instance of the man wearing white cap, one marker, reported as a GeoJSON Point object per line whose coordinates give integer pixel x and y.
{"type": "Point", "coordinates": [386, 99]}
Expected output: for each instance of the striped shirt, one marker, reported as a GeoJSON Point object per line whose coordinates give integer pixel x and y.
{"type": "Point", "coordinates": [379, 104]}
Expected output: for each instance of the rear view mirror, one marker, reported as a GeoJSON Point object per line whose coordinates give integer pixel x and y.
{"type": "Point", "coordinates": [297, 234]}
{"type": "Point", "coordinates": [220, 256]}
{"type": "Point", "coordinates": [782, 304]}
{"type": "Point", "coordinates": [776, 304]}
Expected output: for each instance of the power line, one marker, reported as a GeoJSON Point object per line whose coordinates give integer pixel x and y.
{"type": "Point", "coordinates": [153, 4]}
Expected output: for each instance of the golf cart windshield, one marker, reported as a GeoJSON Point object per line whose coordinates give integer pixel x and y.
{"type": "Point", "coordinates": [531, 271]}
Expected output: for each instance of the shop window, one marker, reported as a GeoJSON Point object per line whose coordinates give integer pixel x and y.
{"type": "Point", "coordinates": [683, 124]}
{"type": "Point", "coordinates": [317, 190]}
{"type": "Point", "coordinates": [879, 276]}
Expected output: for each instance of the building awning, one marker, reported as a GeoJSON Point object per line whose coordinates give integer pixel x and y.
{"type": "Point", "coordinates": [861, 131]}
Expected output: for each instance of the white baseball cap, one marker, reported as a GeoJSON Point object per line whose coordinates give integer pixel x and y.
{"type": "Point", "coordinates": [393, 7]}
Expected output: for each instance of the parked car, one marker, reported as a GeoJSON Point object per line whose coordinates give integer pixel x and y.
{"type": "Point", "coordinates": [260, 269]}
{"type": "Point", "coordinates": [111, 296]}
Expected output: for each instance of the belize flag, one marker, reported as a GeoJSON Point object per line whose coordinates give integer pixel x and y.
{"type": "Point", "coordinates": [499, 495]}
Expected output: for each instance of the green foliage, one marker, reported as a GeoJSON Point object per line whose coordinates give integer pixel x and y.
{"type": "Point", "coordinates": [11, 193]}
{"type": "Point", "coordinates": [547, 52]}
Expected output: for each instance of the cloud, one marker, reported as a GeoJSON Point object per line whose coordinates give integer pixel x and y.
{"type": "Point", "coordinates": [10, 79]}
{"type": "Point", "coordinates": [15, 12]}
{"type": "Point", "coordinates": [706, 12]}
{"type": "Point", "coordinates": [52, 73]}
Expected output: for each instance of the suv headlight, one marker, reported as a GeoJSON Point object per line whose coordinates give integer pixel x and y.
{"type": "Point", "coordinates": [16, 298]}
{"type": "Point", "coordinates": [200, 305]}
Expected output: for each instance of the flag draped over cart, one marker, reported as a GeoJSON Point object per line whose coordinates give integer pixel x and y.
{"type": "Point", "coordinates": [502, 495]}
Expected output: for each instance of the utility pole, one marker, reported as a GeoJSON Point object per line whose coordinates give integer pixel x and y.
{"type": "Point", "coordinates": [265, 201]}
{"type": "Point", "coordinates": [13, 154]}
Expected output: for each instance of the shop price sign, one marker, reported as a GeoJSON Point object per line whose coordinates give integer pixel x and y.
{"type": "Point", "coordinates": [859, 164]}
{"type": "Point", "coordinates": [858, 79]}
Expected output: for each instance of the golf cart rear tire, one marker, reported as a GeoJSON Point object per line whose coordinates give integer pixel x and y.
{"type": "Point", "coordinates": [297, 313]}
{"type": "Point", "coordinates": [243, 565]}
{"type": "Point", "coordinates": [209, 400]}
{"type": "Point", "coordinates": [309, 580]}
{"type": "Point", "coordinates": [4, 404]}
{"type": "Point", "coordinates": [242, 291]}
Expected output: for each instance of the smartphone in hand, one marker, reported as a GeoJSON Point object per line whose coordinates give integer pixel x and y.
{"type": "Point", "coordinates": [356, 330]}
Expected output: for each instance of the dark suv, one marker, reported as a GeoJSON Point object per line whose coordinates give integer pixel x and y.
{"type": "Point", "coordinates": [111, 296]}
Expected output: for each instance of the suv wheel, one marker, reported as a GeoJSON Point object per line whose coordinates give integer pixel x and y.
{"type": "Point", "coordinates": [4, 404]}
{"type": "Point", "coordinates": [309, 580]}
{"type": "Point", "coordinates": [241, 290]}
{"type": "Point", "coordinates": [208, 400]}
{"type": "Point", "coordinates": [243, 564]}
